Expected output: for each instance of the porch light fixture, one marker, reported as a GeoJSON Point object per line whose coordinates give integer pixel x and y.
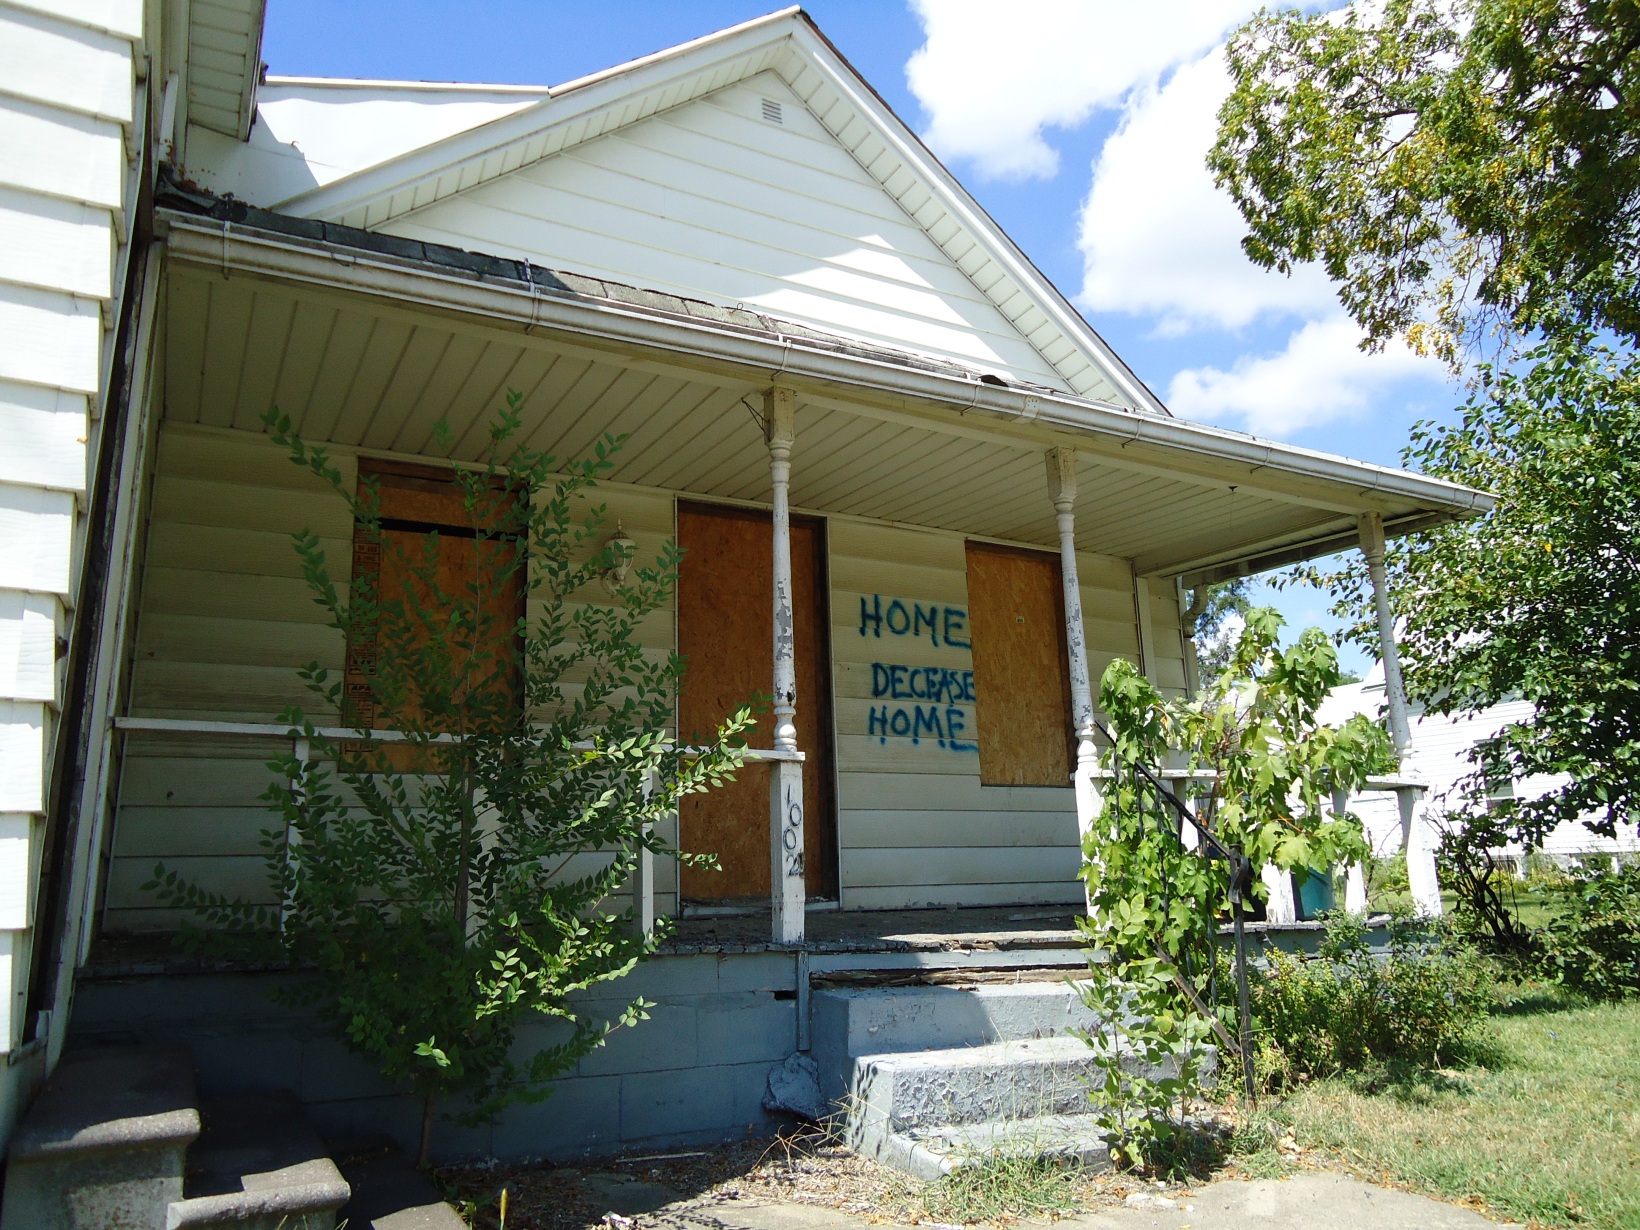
{"type": "Point", "coordinates": [621, 548]}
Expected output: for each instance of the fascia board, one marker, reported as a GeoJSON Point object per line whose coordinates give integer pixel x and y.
{"type": "Point", "coordinates": [968, 213]}
{"type": "Point", "coordinates": [564, 105]}
{"type": "Point", "coordinates": [1198, 449]}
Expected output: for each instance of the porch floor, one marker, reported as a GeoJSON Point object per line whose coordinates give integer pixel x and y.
{"type": "Point", "coordinates": [970, 929]}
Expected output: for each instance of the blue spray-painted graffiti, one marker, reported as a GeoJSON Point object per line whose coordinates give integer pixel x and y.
{"type": "Point", "coordinates": [940, 695]}
{"type": "Point", "coordinates": [945, 625]}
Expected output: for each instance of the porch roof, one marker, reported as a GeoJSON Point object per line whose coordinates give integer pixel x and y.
{"type": "Point", "coordinates": [367, 340]}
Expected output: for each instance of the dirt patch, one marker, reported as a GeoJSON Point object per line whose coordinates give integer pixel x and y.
{"type": "Point", "coordinates": [682, 1188]}
{"type": "Point", "coordinates": [801, 1167]}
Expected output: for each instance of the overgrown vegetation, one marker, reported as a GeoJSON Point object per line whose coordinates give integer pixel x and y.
{"type": "Point", "coordinates": [1420, 1005]}
{"type": "Point", "coordinates": [1593, 946]}
{"type": "Point", "coordinates": [1005, 1187]}
{"type": "Point", "coordinates": [1155, 901]}
{"type": "Point", "coordinates": [440, 892]}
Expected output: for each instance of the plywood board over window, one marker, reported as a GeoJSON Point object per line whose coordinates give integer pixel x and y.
{"type": "Point", "coordinates": [1016, 609]}
{"type": "Point", "coordinates": [432, 549]}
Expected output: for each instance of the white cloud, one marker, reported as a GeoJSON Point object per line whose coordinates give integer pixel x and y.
{"type": "Point", "coordinates": [993, 76]}
{"type": "Point", "coordinates": [1158, 237]}
{"type": "Point", "coordinates": [1320, 377]}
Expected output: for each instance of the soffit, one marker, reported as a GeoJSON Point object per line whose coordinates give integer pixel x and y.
{"type": "Point", "coordinates": [365, 374]}
{"type": "Point", "coordinates": [224, 63]}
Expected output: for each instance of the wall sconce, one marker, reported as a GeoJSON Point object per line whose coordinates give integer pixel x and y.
{"type": "Point", "coordinates": [622, 548]}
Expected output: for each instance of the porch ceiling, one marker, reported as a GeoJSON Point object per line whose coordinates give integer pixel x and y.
{"type": "Point", "coordinates": [369, 373]}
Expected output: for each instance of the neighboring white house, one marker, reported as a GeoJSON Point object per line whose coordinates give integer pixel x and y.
{"type": "Point", "coordinates": [732, 252]}
{"type": "Point", "coordinates": [1439, 757]}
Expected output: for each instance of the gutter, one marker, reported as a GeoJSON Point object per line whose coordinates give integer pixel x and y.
{"type": "Point", "coordinates": [1102, 427]}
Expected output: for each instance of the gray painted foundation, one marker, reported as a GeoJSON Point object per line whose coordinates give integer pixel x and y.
{"type": "Point", "coordinates": [696, 1072]}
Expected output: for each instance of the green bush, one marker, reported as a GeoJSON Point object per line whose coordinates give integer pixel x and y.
{"type": "Point", "coordinates": [1420, 1004]}
{"type": "Point", "coordinates": [1594, 945]}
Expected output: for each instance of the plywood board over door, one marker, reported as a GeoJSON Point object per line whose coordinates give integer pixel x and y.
{"type": "Point", "coordinates": [1022, 703]}
{"type": "Point", "coordinates": [726, 631]}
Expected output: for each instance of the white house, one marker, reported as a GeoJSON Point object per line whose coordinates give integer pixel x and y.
{"type": "Point", "coordinates": [1439, 757]}
{"type": "Point", "coordinates": [846, 392]}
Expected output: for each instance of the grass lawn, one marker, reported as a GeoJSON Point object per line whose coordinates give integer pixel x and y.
{"type": "Point", "coordinates": [1547, 1129]}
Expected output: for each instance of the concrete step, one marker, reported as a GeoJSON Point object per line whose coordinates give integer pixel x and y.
{"type": "Point", "coordinates": [102, 1147]}
{"type": "Point", "coordinates": [258, 1165]}
{"type": "Point", "coordinates": [1019, 1079]}
{"type": "Point", "coordinates": [389, 1193]}
{"type": "Point", "coordinates": [848, 1023]}
{"type": "Point", "coordinates": [928, 1153]}
{"type": "Point", "coordinates": [922, 1110]}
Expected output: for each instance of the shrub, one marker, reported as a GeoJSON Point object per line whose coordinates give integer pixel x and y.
{"type": "Point", "coordinates": [1594, 946]}
{"type": "Point", "coordinates": [445, 893]}
{"type": "Point", "coordinates": [1420, 1004]}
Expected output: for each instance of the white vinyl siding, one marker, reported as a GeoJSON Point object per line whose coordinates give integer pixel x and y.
{"type": "Point", "coordinates": [916, 827]}
{"type": "Point", "coordinates": [226, 622]}
{"type": "Point", "coordinates": [711, 201]}
{"type": "Point", "coordinates": [67, 103]}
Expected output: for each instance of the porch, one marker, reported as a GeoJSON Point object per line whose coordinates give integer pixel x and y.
{"type": "Point", "coordinates": [905, 466]}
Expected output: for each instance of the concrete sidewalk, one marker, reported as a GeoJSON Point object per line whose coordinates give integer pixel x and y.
{"type": "Point", "coordinates": [1309, 1201]}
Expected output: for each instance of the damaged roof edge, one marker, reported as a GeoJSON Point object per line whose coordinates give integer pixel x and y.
{"type": "Point", "coordinates": [204, 231]}
{"type": "Point", "coordinates": [183, 198]}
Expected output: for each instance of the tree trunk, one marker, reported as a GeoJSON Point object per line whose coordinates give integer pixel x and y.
{"type": "Point", "coordinates": [426, 1131]}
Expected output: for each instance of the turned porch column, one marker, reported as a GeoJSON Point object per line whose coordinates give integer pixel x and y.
{"type": "Point", "coordinates": [1062, 491]}
{"type": "Point", "coordinates": [1415, 836]}
{"type": "Point", "coordinates": [786, 883]}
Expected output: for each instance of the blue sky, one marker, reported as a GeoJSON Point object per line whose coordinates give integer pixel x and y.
{"type": "Point", "coordinates": [1078, 124]}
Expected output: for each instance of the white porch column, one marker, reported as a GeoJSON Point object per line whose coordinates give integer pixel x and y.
{"type": "Point", "coordinates": [785, 776]}
{"type": "Point", "coordinates": [1280, 909]}
{"type": "Point", "coordinates": [1062, 490]}
{"type": "Point", "coordinates": [1355, 879]}
{"type": "Point", "coordinates": [1416, 840]}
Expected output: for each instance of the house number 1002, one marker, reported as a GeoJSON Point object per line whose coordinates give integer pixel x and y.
{"type": "Point", "coordinates": [791, 833]}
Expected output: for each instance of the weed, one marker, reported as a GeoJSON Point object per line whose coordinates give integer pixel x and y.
{"type": "Point", "coordinates": [1004, 1186]}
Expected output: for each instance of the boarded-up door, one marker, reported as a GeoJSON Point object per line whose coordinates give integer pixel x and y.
{"type": "Point", "coordinates": [726, 631]}
{"type": "Point", "coordinates": [1022, 698]}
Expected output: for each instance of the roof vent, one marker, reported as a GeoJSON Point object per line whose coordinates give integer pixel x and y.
{"type": "Point", "coordinates": [771, 111]}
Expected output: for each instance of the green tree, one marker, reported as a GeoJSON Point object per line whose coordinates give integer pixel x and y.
{"type": "Point", "coordinates": [1539, 600]}
{"type": "Point", "coordinates": [440, 892]}
{"type": "Point", "coordinates": [1456, 166]}
{"type": "Point", "coordinates": [1154, 900]}
{"type": "Point", "coordinates": [1211, 622]}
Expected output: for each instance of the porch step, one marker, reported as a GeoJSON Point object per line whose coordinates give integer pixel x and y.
{"type": "Point", "coordinates": [1022, 1079]}
{"type": "Point", "coordinates": [849, 1023]}
{"type": "Point", "coordinates": [929, 1153]}
{"type": "Point", "coordinates": [102, 1147]}
{"type": "Point", "coordinates": [389, 1193]}
{"type": "Point", "coordinates": [258, 1165]}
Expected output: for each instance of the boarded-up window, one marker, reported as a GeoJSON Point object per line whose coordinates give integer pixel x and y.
{"type": "Point", "coordinates": [1022, 701]}
{"type": "Point", "coordinates": [434, 556]}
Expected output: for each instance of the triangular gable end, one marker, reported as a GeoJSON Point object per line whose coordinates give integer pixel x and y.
{"type": "Point", "coordinates": [668, 173]}
{"type": "Point", "coordinates": [740, 198]}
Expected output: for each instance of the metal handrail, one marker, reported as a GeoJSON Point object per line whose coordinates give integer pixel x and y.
{"type": "Point", "coordinates": [273, 730]}
{"type": "Point", "coordinates": [1404, 782]}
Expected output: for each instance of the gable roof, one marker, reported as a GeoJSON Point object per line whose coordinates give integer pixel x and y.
{"type": "Point", "coordinates": [789, 45]}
